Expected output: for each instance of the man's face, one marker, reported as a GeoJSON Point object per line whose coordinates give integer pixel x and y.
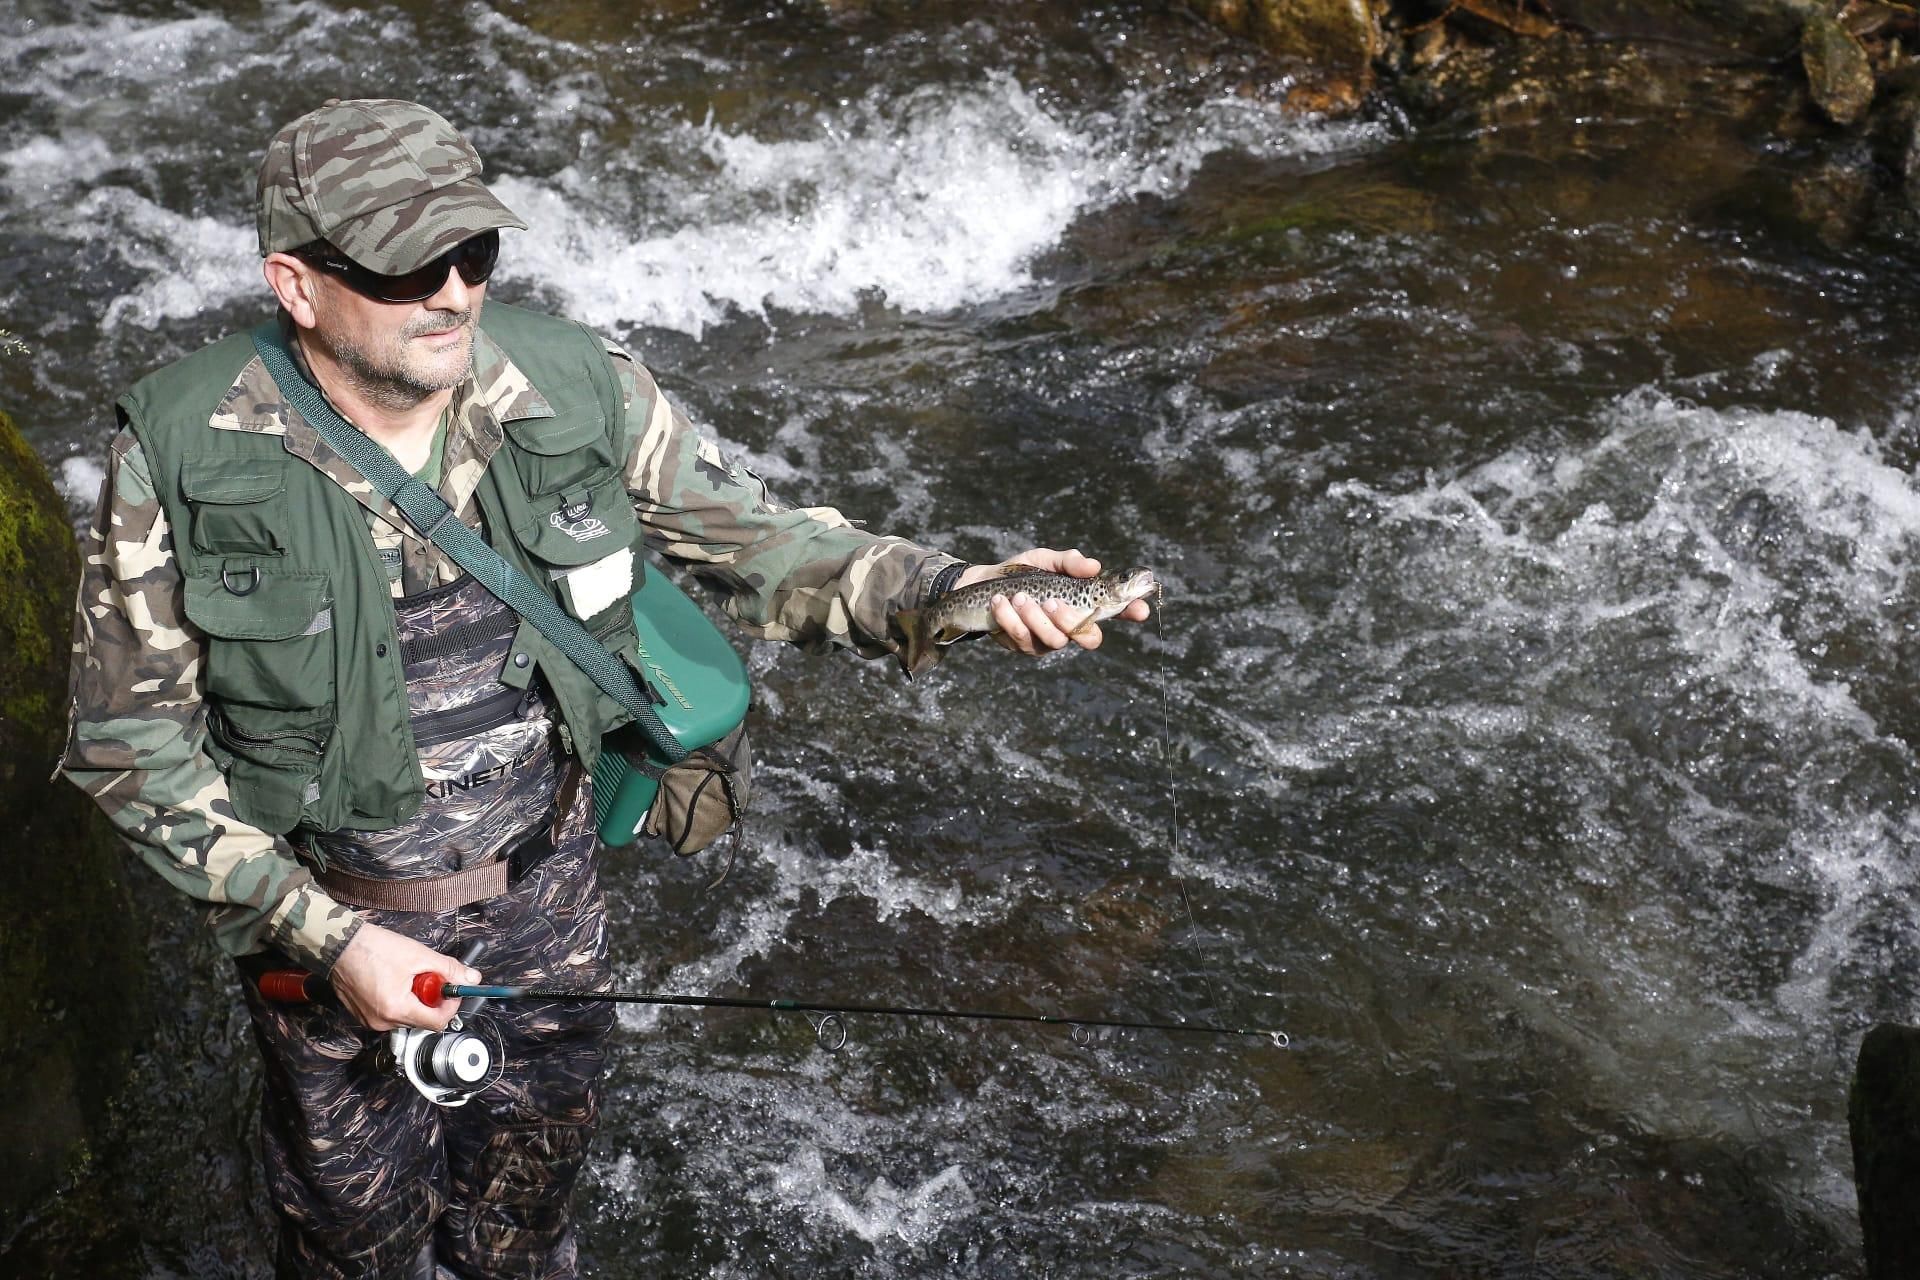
{"type": "Point", "coordinates": [398, 353]}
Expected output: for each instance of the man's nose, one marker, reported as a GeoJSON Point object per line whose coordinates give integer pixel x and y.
{"type": "Point", "coordinates": [454, 294]}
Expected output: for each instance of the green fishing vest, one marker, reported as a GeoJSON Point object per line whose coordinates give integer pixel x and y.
{"type": "Point", "coordinates": [306, 696]}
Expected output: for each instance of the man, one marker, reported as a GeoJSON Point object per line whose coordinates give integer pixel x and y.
{"type": "Point", "coordinates": [298, 710]}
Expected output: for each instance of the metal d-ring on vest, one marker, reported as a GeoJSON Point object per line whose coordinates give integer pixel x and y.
{"type": "Point", "coordinates": [253, 584]}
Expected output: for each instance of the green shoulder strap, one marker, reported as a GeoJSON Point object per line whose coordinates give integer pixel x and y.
{"type": "Point", "coordinates": [431, 515]}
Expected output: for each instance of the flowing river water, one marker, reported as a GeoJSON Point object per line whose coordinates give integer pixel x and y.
{"type": "Point", "coordinates": [1530, 723]}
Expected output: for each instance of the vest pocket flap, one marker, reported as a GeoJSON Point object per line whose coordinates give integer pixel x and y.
{"type": "Point", "coordinates": [568, 431]}
{"type": "Point", "coordinates": [227, 482]}
{"type": "Point", "coordinates": [259, 602]}
{"type": "Point", "coordinates": [581, 524]}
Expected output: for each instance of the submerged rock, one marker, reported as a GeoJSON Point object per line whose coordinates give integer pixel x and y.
{"type": "Point", "coordinates": [69, 945]}
{"type": "Point", "coordinates": [1762, 28]}
{"type": "Point", "coordinates": [1839, 72]}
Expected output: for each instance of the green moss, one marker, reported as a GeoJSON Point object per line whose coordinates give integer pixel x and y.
{"type": "Point", "coordinates": [39, 565]}
{"type": "Point", "coordinates": [68, 1015]}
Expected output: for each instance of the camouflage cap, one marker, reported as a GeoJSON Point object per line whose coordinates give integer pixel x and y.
{"type": "Point", "coordinates": [390, 184]}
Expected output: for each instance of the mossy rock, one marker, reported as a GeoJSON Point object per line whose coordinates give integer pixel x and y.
{"type": "Point", "coordinates": [1838, 70]}
{"type": "Point", "coordinates": [69, 945]}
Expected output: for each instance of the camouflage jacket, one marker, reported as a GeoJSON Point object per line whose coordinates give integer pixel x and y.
{"type": "Point", "coordinates": [137, 738]}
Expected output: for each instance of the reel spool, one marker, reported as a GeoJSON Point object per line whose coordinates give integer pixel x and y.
{"type": "Point", "coordinates": [447, 1067]}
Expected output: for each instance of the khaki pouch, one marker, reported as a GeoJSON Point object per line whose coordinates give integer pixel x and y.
{"type": "Point", "coordinates": [702, 797]}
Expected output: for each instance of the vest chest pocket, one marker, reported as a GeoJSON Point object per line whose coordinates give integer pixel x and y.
{"type": "Point", "coordinates": [271, 637]}
{"type": "Point", "coordinates": [565, 453]}
{"type": "Point", "coordinates": [231, 505]}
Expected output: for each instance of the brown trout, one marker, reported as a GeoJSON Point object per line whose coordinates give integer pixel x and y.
{"type": "Point", "coordinates": [969, 611]}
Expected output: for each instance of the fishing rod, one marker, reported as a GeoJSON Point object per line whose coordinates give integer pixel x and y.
{"type": "Point", "coordinates": [431, 989]}
{"type": "Point", "coordinates": [294, 986]}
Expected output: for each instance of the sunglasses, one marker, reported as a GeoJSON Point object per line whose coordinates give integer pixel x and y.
{"type": "Point", "coordinates": [473, 258]}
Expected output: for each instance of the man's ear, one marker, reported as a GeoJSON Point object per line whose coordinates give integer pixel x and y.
{"type": "Point", "coordinates": [294, 283]}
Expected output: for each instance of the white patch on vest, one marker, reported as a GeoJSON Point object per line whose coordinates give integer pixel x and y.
{"type": "Point", "coordinates": [597, 585]}
{"type": "Point", "coordinates": [583, 530]}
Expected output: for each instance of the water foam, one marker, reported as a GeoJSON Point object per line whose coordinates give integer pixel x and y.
{"type": "Point", "coordinates": [1681, 574]}
{"type": "Point", "coordinates": [932, 200]}
{"type": "Point", "coordinates": [911, 1216]}
{"type": "Point", "coordinates": [803, 876]}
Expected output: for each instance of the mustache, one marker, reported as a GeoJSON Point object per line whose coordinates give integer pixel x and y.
{"type": "Point", "coordinates": [437, 322]}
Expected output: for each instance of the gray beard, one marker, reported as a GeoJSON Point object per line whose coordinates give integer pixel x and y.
{"type": "Point", "coordinates": [393, 387]}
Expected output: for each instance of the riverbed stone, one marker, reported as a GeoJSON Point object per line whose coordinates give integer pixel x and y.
{"type": "Point", "coordinates": [1335, 41]}
{"type": "Point", "coordinates": [1839, 72]}
{"type": "Point", "coordinates": [1763, 28]}
{"type": "Point", "coordinates": [70, 990]}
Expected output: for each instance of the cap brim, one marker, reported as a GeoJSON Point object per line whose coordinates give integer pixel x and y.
{"type": "Point", "coordinates": [413, 233]}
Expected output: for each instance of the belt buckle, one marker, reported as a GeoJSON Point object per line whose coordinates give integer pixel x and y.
{"type": "Point", "coordinates": [525, 858]}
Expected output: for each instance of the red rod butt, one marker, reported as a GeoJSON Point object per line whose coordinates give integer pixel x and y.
{"type": "Point", "coordinates": [427, 988]}
{"type": "Point", "coordinates": [287, 986]}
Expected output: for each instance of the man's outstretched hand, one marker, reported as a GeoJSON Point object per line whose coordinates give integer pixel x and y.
{"type": "Point", "coordinates": [1027, 625]}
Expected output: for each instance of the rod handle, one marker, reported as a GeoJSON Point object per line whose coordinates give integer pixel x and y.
{"type": "Point", "coordinates": [291, 986]}
{"type": "Point", "coordinates": [429, 989]}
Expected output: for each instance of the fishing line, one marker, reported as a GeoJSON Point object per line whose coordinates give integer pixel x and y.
{"type": "Point", "coordinates": [1173, 800]}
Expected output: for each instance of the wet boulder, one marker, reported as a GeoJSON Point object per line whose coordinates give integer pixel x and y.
{"type": "Point", "coordinates": [69, 947]}
{"type": "Point", "coordinates": [1839, 73]}
{"type": "Point", "coordinates": [1334, 42]}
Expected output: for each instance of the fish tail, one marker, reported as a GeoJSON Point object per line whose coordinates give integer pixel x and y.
{"type": "Point", "coordinates": [918, 652]}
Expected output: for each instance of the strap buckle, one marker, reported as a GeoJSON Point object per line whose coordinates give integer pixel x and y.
{"type": "Point", "coordinates": [525, 858]}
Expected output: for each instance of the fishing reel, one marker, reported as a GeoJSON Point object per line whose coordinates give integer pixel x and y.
{"type": "Point", "coordinates": [448, 1067]}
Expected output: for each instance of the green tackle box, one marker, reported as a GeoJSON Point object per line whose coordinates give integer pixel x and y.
{"type": "Point", "coordinates": [704, 688]}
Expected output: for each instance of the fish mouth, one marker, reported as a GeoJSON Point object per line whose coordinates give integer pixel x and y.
{"type": "Point", "coordinates": [1140, 584]}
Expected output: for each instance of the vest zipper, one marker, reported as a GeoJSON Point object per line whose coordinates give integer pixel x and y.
{"type": "Point", "coordinates": [284, 741]}
{"type": "Point", "coordinates": [492, 711]}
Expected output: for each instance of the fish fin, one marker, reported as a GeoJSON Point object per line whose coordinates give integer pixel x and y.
{"type": "Point", "coordinates": [1017, 570]}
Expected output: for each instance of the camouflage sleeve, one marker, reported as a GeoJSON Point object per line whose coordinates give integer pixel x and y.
{"type": "Point", "coordinates": [137, 737]}
{"type": "Point", "coordinates": [805, 575]}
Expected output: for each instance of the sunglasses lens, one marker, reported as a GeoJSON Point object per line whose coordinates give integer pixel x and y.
{"type": "Point", "coordinates": [473, 258]}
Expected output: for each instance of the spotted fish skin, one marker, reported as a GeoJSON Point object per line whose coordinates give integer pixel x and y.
{"type": "Point", "coordinates": [969, 610]}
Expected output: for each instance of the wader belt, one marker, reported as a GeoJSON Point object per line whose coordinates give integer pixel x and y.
{"type": "Point", "coordinates": [434, 894]}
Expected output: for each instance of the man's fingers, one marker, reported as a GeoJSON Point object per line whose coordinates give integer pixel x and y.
{"type": "Point", "coordinates": [1041, 625]}
{"type": "Point", "coordinates": [1012, 628]}
{"type": "Point", "coordinates": [1077, 565]}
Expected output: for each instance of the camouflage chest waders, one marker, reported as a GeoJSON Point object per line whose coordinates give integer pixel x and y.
{"type": "Point", "coordinates": [365, 1172]}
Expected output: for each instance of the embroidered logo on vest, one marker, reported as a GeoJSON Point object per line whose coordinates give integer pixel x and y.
{"type": "Point", "coordinates": [581, 530]}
